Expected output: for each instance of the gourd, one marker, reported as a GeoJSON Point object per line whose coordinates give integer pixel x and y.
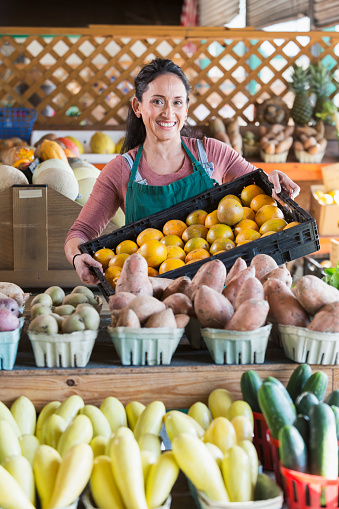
{"type": "Point", "coordinates": [50, 150]}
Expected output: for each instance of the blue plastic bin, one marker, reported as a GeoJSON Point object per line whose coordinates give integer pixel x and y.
{"type": "Point", "coordinates": [17, 122]}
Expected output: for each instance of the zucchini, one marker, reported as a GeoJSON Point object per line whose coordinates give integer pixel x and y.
{"type": "Point", "coordinates": [333, 398]}
{"type": "Point", "coordinates": [323, 442]}
{"type": "Point", "coordinates": [336, 416]}
{"type": "Point", "coordinates": [298, 379]}
{"type": "Point", "coordinates": [250, 383]}
{"type": "Point", "coordinates": [317, 383]}
{"type": "Point", "coordinates": [292, 449]}
{"type": "Point", "coordinates": [305, 402]}
{"type": "Point", "coordinates": [266, 488]}
{"type": "Point", "coordinates": [277, 406]}
{"type": "Point", "coordinates": [302, 423]}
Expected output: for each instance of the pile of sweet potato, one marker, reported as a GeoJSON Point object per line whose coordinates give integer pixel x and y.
{"type": "Point", "coordinates": [311, 139]}
{"type": "Point", "coordinates": [276, 139]}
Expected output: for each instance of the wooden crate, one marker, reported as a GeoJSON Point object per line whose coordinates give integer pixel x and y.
{"type": "Point", "coordinates": [34, 221]}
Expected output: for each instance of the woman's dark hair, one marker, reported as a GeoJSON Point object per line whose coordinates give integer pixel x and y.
{"type": "Point", "coordinates": [135, 129]}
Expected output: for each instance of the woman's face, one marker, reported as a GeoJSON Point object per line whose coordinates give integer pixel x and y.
{"type": "Point", "coordinates": [163, 108]}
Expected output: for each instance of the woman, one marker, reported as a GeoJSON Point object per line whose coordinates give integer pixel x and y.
{"type": "Point", "coordinates": [160, 166]}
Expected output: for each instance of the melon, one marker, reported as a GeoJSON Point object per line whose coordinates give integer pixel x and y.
{"type": "Point", "coordinates": [119, 218]}
{"type": "Point", "coordinates": [77, 143]}
{"type": "Point", "coordinates": [70, 145]}
{"type": "Point", "coordinates": [76, 162]}
{"type": "Point", "coordinates": [83, 172]}
{"type": "Point", "coordinates": [60, 180]}
{"type": "Point", "coordinates": [101, 143]}
{"type": "Point", "coordinates": [85, 189]}
{"type": "Point", "coordinates": [10, 176]}
{"type": "Point", "coordinates": [119, 145]}
{"type": "Point", "coordinates": [56, 164]}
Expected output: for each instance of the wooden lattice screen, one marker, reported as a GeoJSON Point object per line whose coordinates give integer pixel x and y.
{"type": "Point", "coordinates": [84, 77]}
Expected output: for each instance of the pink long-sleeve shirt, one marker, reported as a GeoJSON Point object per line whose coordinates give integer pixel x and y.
{"type": "Point", "coordinates": [109, 191]}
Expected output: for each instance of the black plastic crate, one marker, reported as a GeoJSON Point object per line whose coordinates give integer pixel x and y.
{"type": "Point", "coordinates": [283, 246]}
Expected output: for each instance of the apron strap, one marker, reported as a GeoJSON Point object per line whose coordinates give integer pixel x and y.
{"type": "Point", "coordinates": [208, 167]}
{"type": "Point", "coordinates": [130, 162]}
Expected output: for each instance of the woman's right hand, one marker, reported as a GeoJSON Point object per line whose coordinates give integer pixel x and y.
{"type": "Point", "coordinates": [83, 265]}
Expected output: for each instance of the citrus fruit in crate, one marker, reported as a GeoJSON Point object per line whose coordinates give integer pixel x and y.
{"type": "Point", "coordinates": [174, 227]}
{"type": "Point", "coordinates": [193, 231]}
{"type": "Point", "coordinates": [249, 192]}
{"type": "Point", "coordinates": [196, 217]}
{"type": "Point", "coordinates": [152, 272]}
{"type": "Point", "coordinates": [260, 200]}
{"type": "Point", "coordinates": [247, 234]}
{"type": "Point", "coordinates": [127, 246]}
{"type": "Point", "coordinates": [231, 197]}
{"type": "Point", "coordinates": [118, 260]}
{"type": "Point", "coordinates": [230, 212]}
{"type": "Point", "coordinates": [197, 254]}
{"type": "Point", "coordinates": [111, 273]}
{"type": "Point", "coordinates": [171, 264]}
{"type": "Point", "coordinates": [211, 219]}
{"type": "Point", "coordinates": [221, 245]}
{"type": "Point", "coordinates": [149, 234]}
{"type": "Point", "coordinates": [176, 252]}
{"type": "Point", "coordinates": [103, 256]}
{"type": "Point", "coordinates": [248, 213]}
{"type": "Point", "coordinates": [245, 224]}
{"type": "Point", "coordinates": [219, 231]}
{"type": "Point", "coordinates": [196, 243]}
{"type": "Point", "coordinates": [290, 225]}
{"type": "Point", "coordinates": [273, 225]}
{"type": "Point", "coordinates": [172, 240]}
{"type": "Point", "coordinates": [268, 212]}
{"type": "Point", "coordinates": [154, 252]}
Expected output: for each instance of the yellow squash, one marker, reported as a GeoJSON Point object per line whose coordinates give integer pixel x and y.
{"type": "Point", "coordinates": [20, 468]}
{"type": "Point", "coordinates": [11, 494]}
{"type": "Point", "coordinates": [236, 471]}
{"type": "Point", "coordinates": [45, 467]}
{"type": "Point", "coordinates": [48, 410]}
{"type": "Point", "coordinates": [161, 478]}
{"type": "Point", "coordinates": [80, 431]}
{"type": "Point", "coordinates": [24, 414]}
{"type": "Point", "coordinates": [133, 411]}
{"type": "Point", "coordinates": [114, 412]}
{"type": "Point", "coordinates": [103, 487]}
{"type": "Point", "coordinates": [150, 421]}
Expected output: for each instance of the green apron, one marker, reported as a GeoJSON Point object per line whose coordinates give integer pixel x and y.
{"type": "Point", "coordinates": [143, 200]}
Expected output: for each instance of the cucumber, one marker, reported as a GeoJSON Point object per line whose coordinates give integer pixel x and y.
{"type": "Point", "coordinates": [266, 488]}
{"type": "Point", "coordinates": [323, 442]}
{"type": "Point", "coordinates": [298, 379]}
{"type": "Point", "coordinates": [277, 407]}
{"type": "Point", "coordinates": [302, 423]}
{"type": "Point", "coordinates": [277, 382]}
{"type": "Point", "coordinates": [333, 398]}
{"type": "Point", "coordinates": [317, 383]}
{"type": "Point", "coordinates": [250, 383]}
{"type": "Point", "coordinates": [292, 449]}
{"type": "Point", "coordinates": [336, 416]}
{"type": "Point", "coordinates": [305, 401]}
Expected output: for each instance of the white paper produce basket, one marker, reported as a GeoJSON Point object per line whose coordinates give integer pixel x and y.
{"type": "Point", "coordinates": [9, 342]}
{"type": "Point", "coordinates": [237, 347]}
{"type": "Point", "coordinates": [272, 503]}
{"type": "Point", "coordinates": [273, 158]}
{"type": "Point", "coordinates": [304, 157]}
{"type": "Point", "coordinates": [89, 504]}
{"type": "Point", "coordinates": [304, 345]}
{"type": "Point", "coordinates": [145, 346]}
{"type": "Point", "coordinates": [62, 350]}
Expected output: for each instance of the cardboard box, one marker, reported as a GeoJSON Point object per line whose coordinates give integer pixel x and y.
{"type": "Point", "coordinates": [326, 216]}
{"type": "Point", "coordinates": [334, 254]}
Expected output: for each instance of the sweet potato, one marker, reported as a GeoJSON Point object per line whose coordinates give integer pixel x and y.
{"type": "Point", "coordinates": [237, 267]}
{"type": "Point", "coordinates": [128, 318]}
{"type": "Point", "coordinates": [120, 300]}
{"type": "Point", "coordinates": [284, 306]}
{"type": "Point", "coordinates": [162, 319]}
{"type": "Point", "coordinates": [232, 289]}
{"type": "Point", "coordinates": [212, 308]}
{"type": "Point", "coordinates": [263, 264]}
{"type": "Point", "coordinates": [327, 319]}
{"type": "Point", "coordinates": [182, 320]}
{"type": "Point", "coordinates": [313, 293]}
{"type": "Point", "coordinates": [134, 276]}
{"type": "Point", "coordinates": [144, 306]}
{"type": "Point", "coordinates": [250, 289]}
{"type": "Point", "coordinates": [159, 284]}
{"type": "Point", "coordinates": [211, 274]}
{"type": "Point", "coordinates": [250, 315]}
{"type": "Point", "coordinates": [280, 273]}
{"type": "Point", "coordinates": [179, 303]}
{"type": "Point", "coordinates": [180, 285]}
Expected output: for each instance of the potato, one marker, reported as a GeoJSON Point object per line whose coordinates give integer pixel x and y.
{"type": "Point", "coordinates": [180, 285]}
{"type": "Point", "coordinates": [211, 274]}
{"type": "Point", "coordinates": [280, 273]}
{"type": "Point", "coordinates": [128, 318]}
{"type": "Point", "coordinates": [313, 293]}
{"type": "Point", "coordinates": [134, 276]}
{"type": "Point", "coordinates": [237, 267]}
{"type": "Point", "coordinates": [263, 264]}
{"type": "Point", "coordinates": [250, 289]}
{"type": "Point", "coordinates": [179, 303]}
{"type": "Point", "coordinates": [212, 308]}
{"type": "Point", "coordinates": [250, 315]}
{"type": "Point", "coordinates": [162, 319]}
{"type": "Point", "coordinates": [120, 300]}
{"type": "Point", "coordinates": [284, 306]}
{"type": "Point", "coordinates": [144, 306]}
{"type": "Point", "coordinates": [182, 320]}
{"type": "Point", "coordinates": [327, 319]}
{"type": "Point", "coordinates": [159, 284]}
{"type": "Point", "coordinates": [14, 292]}
{"type": "Point", "coordinates": [232, 289]}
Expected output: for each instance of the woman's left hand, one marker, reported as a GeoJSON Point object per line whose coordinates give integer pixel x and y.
{"type": "Point", "coordinates": [282, 182]}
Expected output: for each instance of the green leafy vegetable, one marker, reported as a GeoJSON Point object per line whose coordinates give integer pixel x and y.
{"type": "Point", "coordinates": [332, 276]}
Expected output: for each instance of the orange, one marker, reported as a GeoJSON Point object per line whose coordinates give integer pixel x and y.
{"type": "Point", "coordinates": [273, 225]}
{"type": "Point", "coordinates": [290, 225]}
{"type": "Point", "coordinates": [244, 225]}
{"type": "Point", "coordinates": [268, 212]}
{"type": "Point", "coordinates": [248, 213]}
{"type": "Point", "coordinates": [197, 254]}
{"type": "Point", "coordinates": [103, 256]}
{"type": "Point", "coordinates": [219, 231]}
{"type": "Point", "coordinates": [176, 252]}
{"type": "Point", "coordinates": [195, 230]}
{"type": "Point", "coordinates": [243, 242]}
{"type": "Point", "coordinates": [174, 227]}
{"type": "Point", "coordinates": [221, 251]}
{"type": "Point", "coordinates": [149, 234]}
{"type": "Point", "coordinates": [154, 252]}
{"type": "Point", "coordinates": [221, 245]}
{"type": "Point", "coordinates": [268, 233]}
{"type": "Point", "coordinates": [127, 246]}
{"type": "Point", "coordinates": [196, 217]}
{"type": "Point", "coordinates": [248, 234]}
{"type": "Point", "coordinates": [192, 261]}
{"type": "Point", "coordinates": [196, 243]}
{"type": "Point", "coordinates": [170, 264]}
{"type": "Point", "coordinates": [172, 240]}
{"type": "Point", "coordinates": [211, 219]}
{"type": "Point", "coordinates": [249, 192]}
{"type": "Point", "coordinates": [152, 272]}
{"type": "Point", "coordinates": [111, 273]}
{"type": "Point", "coordinates": [260, 200]}
{"type": "Point", "coordinates": [232, 197]}
{"type": "Point", "coordinates": [114, 282]}
{"type": "Point", "coordinates": [230, 212]}
{"type": "Point", "coordinates": [118, 260]}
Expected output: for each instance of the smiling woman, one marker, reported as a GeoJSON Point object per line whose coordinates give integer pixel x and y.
{"type": "Point", "coordinates": [160, 165]}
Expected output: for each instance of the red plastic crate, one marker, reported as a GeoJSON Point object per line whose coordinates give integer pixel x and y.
{"type": "Point", "coordinates": [274, 446]}
{"type": "Point", "coordinates": [260, 441]}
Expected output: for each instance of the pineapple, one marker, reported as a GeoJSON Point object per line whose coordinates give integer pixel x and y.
{"type": "Point", "coordinates": [302, 109]}
{"type": "Point", "coordinates": [321, 84]}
